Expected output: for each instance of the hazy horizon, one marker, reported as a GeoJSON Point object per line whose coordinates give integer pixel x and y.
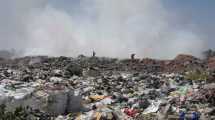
{"type": "Point", "coordinates": [112, 28]}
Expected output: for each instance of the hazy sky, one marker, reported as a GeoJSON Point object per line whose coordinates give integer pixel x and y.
{"type": "Point", "coordinates": [199, 12]}
{"type": "Point", "coordinates": [116, 28]}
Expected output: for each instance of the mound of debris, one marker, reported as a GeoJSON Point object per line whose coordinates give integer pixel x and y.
{"type": "Point", "coordinates": [211, 63]}
{"type": "Point", "coordinates": [86, 88]}
{"type": "Point", "coordinates": [184, 63]}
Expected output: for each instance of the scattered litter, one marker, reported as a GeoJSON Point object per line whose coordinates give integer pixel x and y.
{"type": "Point", "coordinates": [86, 88]}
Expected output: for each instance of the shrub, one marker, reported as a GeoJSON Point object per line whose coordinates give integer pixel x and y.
{"type": "Point", "coordinates": [22, 113]}
{"type": "Point", "coordinates": [73, 69]}
{"type": "Point", "coordinates": [197, 75]}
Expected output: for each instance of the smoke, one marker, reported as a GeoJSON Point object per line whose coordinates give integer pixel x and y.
{"type": "Point", "coordinates": [114, 28]}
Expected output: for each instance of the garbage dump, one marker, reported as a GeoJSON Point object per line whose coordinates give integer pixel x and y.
{"type": "Point", "coordinates": [94, 88]}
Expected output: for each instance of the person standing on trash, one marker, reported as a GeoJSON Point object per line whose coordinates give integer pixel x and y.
{"type": "Point", "coordinates": [133, 56]}
{"type": "Point", "coordinates": [94, 54]}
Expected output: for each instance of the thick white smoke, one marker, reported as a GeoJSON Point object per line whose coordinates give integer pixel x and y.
{"type": "Point", "coordinates": [114, 28]}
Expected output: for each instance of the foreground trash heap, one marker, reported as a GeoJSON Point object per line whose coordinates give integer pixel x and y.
{"type": "Point", "coordinates": [91, 88]}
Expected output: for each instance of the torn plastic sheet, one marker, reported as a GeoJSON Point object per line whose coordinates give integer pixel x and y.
{"type": "Point", "coordinates": [153, 107]}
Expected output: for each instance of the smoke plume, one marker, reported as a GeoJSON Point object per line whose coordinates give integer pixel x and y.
{"type": "Point", "coordinates": [114, 28]}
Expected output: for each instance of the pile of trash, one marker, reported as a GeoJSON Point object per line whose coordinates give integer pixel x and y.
{"type": "Point", "coordinates": [92, 88]}
{"type": "Point", "coordinates": [140, 96]}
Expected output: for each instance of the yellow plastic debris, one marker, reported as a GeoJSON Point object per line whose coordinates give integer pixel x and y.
{"type": "Point", "coordinates": [98, 116]}
{"type": "Point", "coordinates": [97, 97]}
